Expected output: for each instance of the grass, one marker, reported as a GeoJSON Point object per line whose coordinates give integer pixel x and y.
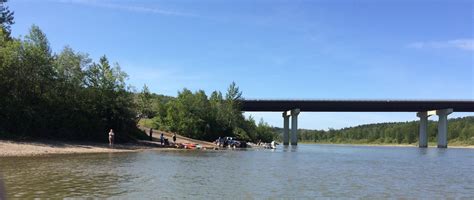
{"type": "Point", "coordinates": [145, 122]}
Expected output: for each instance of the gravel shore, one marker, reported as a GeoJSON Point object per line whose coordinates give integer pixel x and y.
{"type": "Point", "coordinates": [10, 148]}
{"type": "Point", "coordinates": [23, 148]}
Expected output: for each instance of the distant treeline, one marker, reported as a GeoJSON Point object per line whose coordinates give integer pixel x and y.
{"type": "Point", "coordinates": [195, 115]}
{"type": "Point", "coordinates": [460, 131]}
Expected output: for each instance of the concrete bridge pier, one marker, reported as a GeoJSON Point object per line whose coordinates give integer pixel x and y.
{"type": "Point", "coordinates": [294, 126]}
{"type": "Point", "coordinates": [286, 129]}
{"type": "Point", "coordinates": [423, 139]}
{"type": "Point", "coordinates": [443, 127]}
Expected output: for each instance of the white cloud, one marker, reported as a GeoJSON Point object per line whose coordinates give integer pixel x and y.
{"type": "Point", "coordinates": [131, 8]}
{"type": "Point", "coordinates": [463, 44]}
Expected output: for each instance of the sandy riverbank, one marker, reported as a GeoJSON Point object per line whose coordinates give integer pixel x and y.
{"type": "Point", "coordinates": [33, 148]}
{"type": "Point", "coordinates": [179, 138]}
{"type": "Point", "coordinates": [10, 148]}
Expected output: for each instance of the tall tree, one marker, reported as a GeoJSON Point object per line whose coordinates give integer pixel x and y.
{"type": "Point", "coordinates": [6, 17]}
{"type": "Point", "coordinates": [101, 75]}
{"type": "Point", "coordinates": [144, 103]}
{"type": "Point", "coordinates": [233, 93]}
{"type": "Point", "coordinates": [70, 65]}
{"type": "Point", "coordinates": [232, 106]}
{"type": "Point", "coordinates": [61, 96]}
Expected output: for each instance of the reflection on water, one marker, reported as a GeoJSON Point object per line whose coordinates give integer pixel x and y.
{"type": "Point", "coordinates": [66, 176]}
{"type": "Point", "coordinates": [2, 188]}
{"type": "Point", "coordinates": [289, 148]}
{"type": "Point", "coordinates": [288, 172]}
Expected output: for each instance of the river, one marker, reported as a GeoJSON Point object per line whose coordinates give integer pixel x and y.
{"type": "Point", "coordinates": [307, 171]}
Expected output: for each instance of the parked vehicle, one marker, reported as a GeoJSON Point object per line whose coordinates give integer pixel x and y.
{"type": "Point", "coordinates": [233, 143]}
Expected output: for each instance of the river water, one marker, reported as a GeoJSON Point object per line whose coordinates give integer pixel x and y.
{"type": "Point", "coordinates": [307, 171]}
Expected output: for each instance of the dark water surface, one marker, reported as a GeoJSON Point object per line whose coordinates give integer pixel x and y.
{"type": "Point", "coordinates": [307, 171]}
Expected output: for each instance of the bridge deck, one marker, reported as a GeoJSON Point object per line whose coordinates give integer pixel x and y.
{"type": "Point", "coordinates": [356, 105]}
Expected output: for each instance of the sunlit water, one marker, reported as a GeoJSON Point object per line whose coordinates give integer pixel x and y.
{"type": "Point", "coordinates": [307, 171]}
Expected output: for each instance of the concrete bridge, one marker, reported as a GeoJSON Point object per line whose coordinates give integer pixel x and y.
{"type": "Point", "coordinates": [422, 108]}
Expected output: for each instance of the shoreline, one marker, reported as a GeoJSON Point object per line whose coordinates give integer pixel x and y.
{"type": "Point", "coordinates": [13, 148]}
{"type": "Point", "coordinates": [20, 148]}
{"type": "Point", "coordinates": [391, 145]}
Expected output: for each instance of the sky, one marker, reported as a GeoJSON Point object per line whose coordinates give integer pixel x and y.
{"type": "Point", "coordinates": [319, 49]}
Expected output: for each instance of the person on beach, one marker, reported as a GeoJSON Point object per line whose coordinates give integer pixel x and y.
{"type": "Point", "coordinates": [174, 138]}
{"type": "Point", "coordinates": [162, 139]}
{"type": "Point", "coordinates": [151, 134]}
{"type": "Point", "coordinates": [111, 137]}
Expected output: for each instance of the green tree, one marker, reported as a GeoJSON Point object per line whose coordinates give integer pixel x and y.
{"type": "Point", "coordinates": [6, 17]}
{"type": "Point", "coordinates": [69, 67]}
{"type": "Point", "coordinates": [231, 108]}
{"type": "Point", "coordinates": [264, 132]}
{"type": "Point", "coordinates": [104, 77]}
{"type": "Point", "coordinates": [62, 96]}
{"type": "Point", "coordinates": [198, 116]}
{"type": "Point", "coordinates": [144, 103]}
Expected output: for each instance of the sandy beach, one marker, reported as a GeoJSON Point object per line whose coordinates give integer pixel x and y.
{"type": "Point", "coordinates": [34, 148]}
{"type": "Point", "coordinates": [179, 138]}
{"type": "Point", "coordinates": [10, 148]}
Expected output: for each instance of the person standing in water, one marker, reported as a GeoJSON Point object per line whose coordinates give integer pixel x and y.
{"type": "Point", "coordinates": [151, 134]}
{"type": "Point", "coordinates": [111, 137]}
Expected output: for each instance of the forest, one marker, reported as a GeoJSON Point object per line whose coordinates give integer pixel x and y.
{"type": "Point", "coordinates": [460, 131]}
{"type": "Point", "coordinates": [69, 96]}
{"type": "Point", "coordinates": [64, 95]}
{"type": "Point", "coordinates": [195, 115]}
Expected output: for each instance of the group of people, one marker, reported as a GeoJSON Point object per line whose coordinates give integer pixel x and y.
{"type": "Point", "coordinates": [223, 141]}
{"type": "Point", "coordinates": [271, 145]}
{"type": "Point", "coordinates": [163, 140]}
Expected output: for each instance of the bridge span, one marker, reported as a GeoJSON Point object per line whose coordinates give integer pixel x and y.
{"type": "Point", "coordinates": [423, 109]}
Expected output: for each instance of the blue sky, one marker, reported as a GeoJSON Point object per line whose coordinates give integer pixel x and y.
{"type": "Point", "coordinates": [275, 49]}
